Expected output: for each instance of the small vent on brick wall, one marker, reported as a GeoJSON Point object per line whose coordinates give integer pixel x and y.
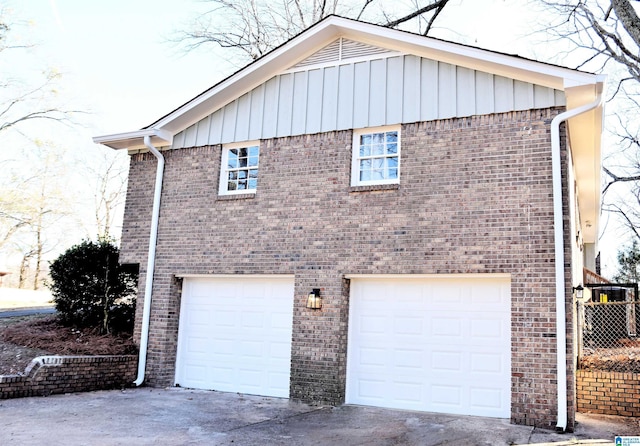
{"type": "Point", "coordinates": [341, 49]}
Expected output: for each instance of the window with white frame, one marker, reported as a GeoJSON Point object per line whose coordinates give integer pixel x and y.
{"type": "Point", "coordinates": [376, 156]}
{"type": "Point", "coordinates": [239, 168]}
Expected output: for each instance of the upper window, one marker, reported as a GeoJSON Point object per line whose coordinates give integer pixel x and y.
{"type": "Point", "coordinates": [239, 168]}
{"type": "Point", "coordinates": [376, 156]}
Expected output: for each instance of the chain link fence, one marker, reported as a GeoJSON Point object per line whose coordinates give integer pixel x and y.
{"type": "Point", "coordinates": [609, 328]}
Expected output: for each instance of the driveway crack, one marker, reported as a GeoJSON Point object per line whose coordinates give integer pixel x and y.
{"type": "Point", "coordinates": [269, 420]}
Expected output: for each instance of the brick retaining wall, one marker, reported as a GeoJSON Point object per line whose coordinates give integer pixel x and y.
{"type": "Point", "coordinates": [48, 375]}
{"type": "Point", "coordinates": [609, 393]}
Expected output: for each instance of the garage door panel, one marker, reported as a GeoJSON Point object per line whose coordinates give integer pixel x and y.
{"type": "Point", "coordinates": [441, 342]}
{"type": "Point", "coordinates": [446, 398]}
{"type": "Point", "coordinates": [408, 325]}
{"type": "Point", "coordinates": [446, 362]}
{"type": "Point", "coordinates": [221, 318]}
{"type": "Point", "coordinates": [242, 338]}
{"type": "Point", "coordinates": [408, 359]}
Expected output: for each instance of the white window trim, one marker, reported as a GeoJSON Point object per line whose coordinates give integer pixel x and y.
{"type": "Point", "coordinates": [355, 152]}
{"type": "Point", "coordinates": [224, 162]}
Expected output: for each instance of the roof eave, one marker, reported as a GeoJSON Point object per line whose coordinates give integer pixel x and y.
{"type": "Point", "coordinates": [585, 139]}
{"type": "Point", "coordinates": [135, 139]}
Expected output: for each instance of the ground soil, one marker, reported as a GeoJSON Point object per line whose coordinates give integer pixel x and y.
{"type": "Point", "coordinates": [26, 337]}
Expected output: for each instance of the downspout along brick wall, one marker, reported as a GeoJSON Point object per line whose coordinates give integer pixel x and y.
{"type": "Point", "coordinates": [49, 375]}
{"type": "Point", "coordinates": [609, 393]}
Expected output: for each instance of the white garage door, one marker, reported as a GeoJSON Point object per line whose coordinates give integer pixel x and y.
{"type": "Point", "coordinates": [437, 345]}
{"type": "Point", "coordinates": [235, 335]}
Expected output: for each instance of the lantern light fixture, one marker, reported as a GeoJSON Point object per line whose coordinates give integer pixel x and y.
{"type": "Point", "coordinates": [314, 301]}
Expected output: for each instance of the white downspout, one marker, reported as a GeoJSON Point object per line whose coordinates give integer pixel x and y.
{"type": "Point", "coordinates": [561, 323]}
{"type": "Point", "coordinates": [151, 261]}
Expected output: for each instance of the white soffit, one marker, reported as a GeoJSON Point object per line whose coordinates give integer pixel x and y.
{"type": "Point", "coordinates": [585, 137]}
{"type": "Point", "coordinates": [135, 139]}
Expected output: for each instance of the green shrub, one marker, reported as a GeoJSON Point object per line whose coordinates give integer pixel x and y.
{"type": "Point", "coordinates": [91, 289]}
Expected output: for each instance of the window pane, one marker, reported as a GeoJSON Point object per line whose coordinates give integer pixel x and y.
{"type": "Point", "coordinates": [231, 185]}
{"type": "Point", "coordinates": [377, 149]}
{"type": "Point", "coordinates": [392, 148]}
{"type": "Point", "coordinates": [365, 139]}
{"type": "Point", "coordinates": [253, 161]}
{"type": "Point", "coordinates": [232, 159]}
{"type": "Point", "coordinates": [378, 138]}
{"type": "Point", "coordinates": [393, 162]}
{"type": "Point", "coordinates": [365, 151]}
{"type": "Point", "coordinates": [242, 162]}
{"type": "Point", "coordinates": [393, 174]}
{"type": "Point", "coordinates": [377, 163]}
{"type": "Point", "coordinates": [365, 170]}
{"type": "Point", "coordinates": [253, 184]}
{"type": "Point", "coordinates": [233, 175]}
{"type": "Point", "coordinates": [242, 152]}
{"type": "Point", "coordinates": [253, 173]}
{"type": "Point", "coordinates": [377, 174]}
{"type": "Point", "coordinates": [242, 184]}
{"type": "Point", "coordinates": [254, 151]}
{"type": "Point", "coordinates": [242, 174]}
{"type": "Point", "coordinates": [392, 136]}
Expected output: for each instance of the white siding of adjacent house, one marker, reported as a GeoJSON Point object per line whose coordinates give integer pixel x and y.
{"type": "Point", "coordinates": [383, 90]}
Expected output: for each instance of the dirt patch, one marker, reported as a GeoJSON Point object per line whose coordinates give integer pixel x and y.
{"type": "Point", "coordinates": [611, 362]}
{"type": "Point", "coordinates": [24, 338]}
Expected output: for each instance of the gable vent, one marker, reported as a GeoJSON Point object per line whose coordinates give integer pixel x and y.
{"type": "Point", "coordinates": [341, 49]}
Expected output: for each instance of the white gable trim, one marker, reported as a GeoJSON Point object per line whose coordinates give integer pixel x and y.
{"type": "Point", "coordinates": [316, 37]}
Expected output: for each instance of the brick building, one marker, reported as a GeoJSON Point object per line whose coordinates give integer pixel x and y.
{"type": "Point", "coordinates": [439, 201]}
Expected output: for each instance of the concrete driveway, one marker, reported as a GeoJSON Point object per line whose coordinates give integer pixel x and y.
{"type": "Point", "coordinates": [180, 416]}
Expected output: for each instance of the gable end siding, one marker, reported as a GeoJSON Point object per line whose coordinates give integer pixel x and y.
{"type": "Point", "coordinates": [382, 91]}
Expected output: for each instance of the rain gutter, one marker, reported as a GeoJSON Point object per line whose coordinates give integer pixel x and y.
{"type": "Point", "coordinates": [561, 323]}
{"type": "Point", "coordinates": [151, 261]}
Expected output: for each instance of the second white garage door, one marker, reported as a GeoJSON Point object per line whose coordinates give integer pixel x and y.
{"type": "Point", "coordinates": [235, 334]}
{"type": "Point", "coordinates": [431, 344]}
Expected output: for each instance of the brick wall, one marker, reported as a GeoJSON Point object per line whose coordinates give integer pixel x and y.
{"type": "Point", "coordinates": [475, 197]}
{"type": "Point", "coordinates": [48, 375]}
{"type": "Point", "coordinates": [609, 393]}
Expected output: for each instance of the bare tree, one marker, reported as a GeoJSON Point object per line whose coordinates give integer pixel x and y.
{"type": "Point", "coordinates": [604, 36]}
{"type": "Point", "coordinates": [38, 205]}
{"type": "Point", "coordinates": [21, 102]}
{"type": "Point", "coordinates": [254, 27]}
{"type": "Point", "coordinates": [110, 176]}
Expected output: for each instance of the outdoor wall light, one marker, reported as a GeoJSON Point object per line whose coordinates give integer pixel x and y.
{"type": "Point", "coordinates": [579, 291]}
{"type": "Point", "coordinates": [314, 300]}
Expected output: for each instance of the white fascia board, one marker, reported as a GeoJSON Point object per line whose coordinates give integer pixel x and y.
{"type": "Point", "coordinates": [135, 139]}
{"type": "Point", "coordinates": [511, 66]}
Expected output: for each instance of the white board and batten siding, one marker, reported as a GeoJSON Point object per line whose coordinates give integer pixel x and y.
{"type": "Point", "coordinates": [437, 344]}
{"type": "Point", "coordinates": [383, 89]}
{"type": "Point", "coordinates": [235, 334]}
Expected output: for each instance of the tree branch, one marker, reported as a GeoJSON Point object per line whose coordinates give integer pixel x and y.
{"type": "Point", "coordinates": [618, 179]}
{"type": "Point", "coordinates": [439, 4]}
